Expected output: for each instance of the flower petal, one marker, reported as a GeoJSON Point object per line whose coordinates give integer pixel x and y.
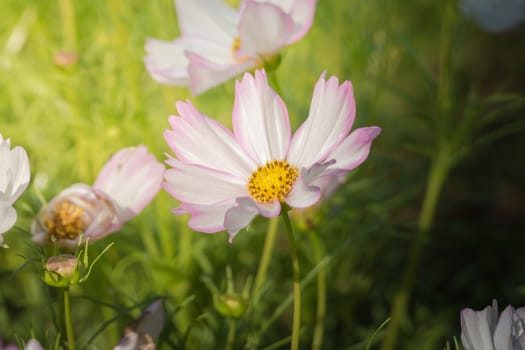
{"type": "Point", "coordinates": [209, 71]}
{"type": "Point", "coordinates": [302, 13]}
{"type": "Point", "coordinates": [260, 119]}
{"type": "Point", "coordinates": [243, 213]}
{"type": "Point", "coordinates": [264, 28]}
{"type": "Point", "coordinates": [200, 140]}
{"type": "Point", "coordinates": [7, 218]}
{"type": "Point", "coordinates": [132, 178]}
{"type": "Point", "coordinates": [166, 61]}
{"type": "Point", "coordinates": [302, 194]}
{"type": "Point", "coordinates": [475, 330]}
{"type": "Point", "coordinates": [331, 116]}
{"type": "Point", "coordinates": [206, 218]}
{"type": "Point", "coordinates": [502, 333]}
{"type": "Point", "coordinates": [355, 148]}
{"type": "Point", "coordinates": [14, 173]}
{"type": "Point", "coordinates": [211, 19]}
{"type": "Point", "coordinates": [200, 185]}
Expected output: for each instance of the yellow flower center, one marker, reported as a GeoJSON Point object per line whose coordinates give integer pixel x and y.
{"type": "Point", "coordinates": [65, 221]}
{"type": "Point", "coordinates": [236, 45]}
{"type": "Point", "coordinates": [272, 181]}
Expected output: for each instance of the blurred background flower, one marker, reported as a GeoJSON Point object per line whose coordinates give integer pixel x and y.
{"type": "Point", "coordinates": [495, 15]}
{"type": "Point", "coordinates": [218, 42]}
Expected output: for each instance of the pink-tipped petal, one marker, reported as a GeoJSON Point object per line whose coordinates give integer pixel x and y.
{"type": "Point", "coordinates": [211, 19]}
{"type": "Point", "coordinates": [166, 61]}
{"type": "Point", "coordinates": [302, 194]}
{"type": "Point", "coordinates": [199, 185]}
{"type": "Point", "coordinates": [355, 148]}
{"type": "Point", "coordinates": [208, 72]}
{"type": "Point", "coordinates": [186, 141]}
{"type": "Point", "coordinates": [260, 119]}
{"type": "Point", "coordinates": [131, 178]}
{"type": "Point", "coordinates": [264, 28]}
{"type": "Point", "coordinates": [331, 116]}
{"type": "Point", "coordinates": [206, 218]}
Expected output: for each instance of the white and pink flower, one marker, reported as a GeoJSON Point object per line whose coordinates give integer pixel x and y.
{"type": "Point", "coordinates": [14, 179]}
{"type": "Point", "coordinates": [224, 179]}
{"type": "Point", "coordinates": [218, 42]}
{"type": "Point", "coordinates": [124, 186]}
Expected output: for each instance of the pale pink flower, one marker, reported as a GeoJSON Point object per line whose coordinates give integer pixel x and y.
{"type": "Point", "coordinates": [33, 344]}
{"type": "Point", "coordinates": [125, 185]}
{"type": "Point", "coordinates": [224, 179]}
{"type": "Point", "coordinates": [217, 42]}
{"type": "Point", "coordinates": [487, 330]}
{"type": "Point", "coordinates": [14, 179]}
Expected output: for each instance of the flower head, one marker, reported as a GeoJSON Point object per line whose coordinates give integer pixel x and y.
{"type": "Point", "coordinates": [224, 179]}
{"type": "Point", "coordinates": [218, 42]}
{"type": "Point", "coordinates": [484, 330]}
{"type": "Point", "coordinates": [494, 15]}
{"type": "Point", "coordinates": [14, 179]}
{"type": "Point", "coordinates": [125, 185]}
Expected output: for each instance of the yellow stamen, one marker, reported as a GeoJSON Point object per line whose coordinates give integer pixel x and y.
{"type": "Point", "coordinates": [272, 181]}
{"type": "Point", "coordinates": [65, 221]}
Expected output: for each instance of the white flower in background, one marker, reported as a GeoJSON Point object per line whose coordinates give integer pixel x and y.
{"type": "Point", "coordinates": [483, 330]}
{"type": "Point", "coordinates": [217, 42]}
{"type": "Point", "coordinates": [494, 15]}
{"type": "Point", "coordinates": [14, 179]}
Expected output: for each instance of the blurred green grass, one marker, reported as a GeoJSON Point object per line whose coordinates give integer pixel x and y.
{"type": "Point", "coordinates": [71, 119]}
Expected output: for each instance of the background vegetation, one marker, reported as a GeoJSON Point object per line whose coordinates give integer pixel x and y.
{"type": "Point", "coordinates": [446, 93]}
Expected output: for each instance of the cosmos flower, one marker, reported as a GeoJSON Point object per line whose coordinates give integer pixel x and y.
{"type": "Point", "coordinates": [483, 330]}
{"type": "Point", "coordinates": [124, 186]}
{"type": "Point", "coordinates": [218, 42]}
{"type": "Point", "coordinates": [224, 179]}
{"type": "Point", "coordinates": [14, 179]}
{"type": "Point", "coordinates": [494, 15]}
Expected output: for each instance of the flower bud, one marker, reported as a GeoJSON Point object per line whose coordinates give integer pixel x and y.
{"type": "Point", "coordinates": [62, 270]}
{"type": "Point", "coordinates": [230, 305]}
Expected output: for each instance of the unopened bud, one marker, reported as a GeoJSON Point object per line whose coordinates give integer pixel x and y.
{"type": "Point", "coordinates": [62, 270]}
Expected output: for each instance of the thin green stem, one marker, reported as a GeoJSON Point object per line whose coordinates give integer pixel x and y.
{"type": "Point", "coordinates": [67, 320]}
{"type": "Point", "coordinates": [296, 282]}
{"type": "Point", "coordinates": [436, 178]}
{"type": "Point", "coordinates": [265, 258]}
{"type": "Point", "coordinates": [317, 340]}
{"type": "Point", "coordinates": [231, 335]}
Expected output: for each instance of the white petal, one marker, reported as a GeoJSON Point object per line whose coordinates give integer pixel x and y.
{"type": "Point", "coordinates": [331, 116]}
{"type": "Point", "coordinates": [211, 19]}
{"type": "Point", "coordinates": [475, 330]}
{"type": "Point", "coordinates": [7, 217]}
{"type": "Point", "coordinates": [502, 333]}
{"type": "Point", "coordinates": [200, 140]}
{"type": "Point", "coordinates": [33, 344]}
{"type": "Point", "coordinates": [302, 195]}
{"type": "Point", "coordinates": [209, 71]}
{"type": "Point", "coordinates": [264, 28]}
{"type": "Point", "coordinates": [355, 148]}
{"type": "Point", "coordinates": [260, 119]}
{"type": "Point", "coordinates": [206, 218]}
{"type": "Point", "coordinates": [301, 12]}
{"type": "Point", "coordinates": [199, 185]}
{"type": "Point", "coordinates": [14, 172]}
{"type": "Point", "coordinates": [243, 213]}
{"type": "Point", "coordinates": [166, 62]}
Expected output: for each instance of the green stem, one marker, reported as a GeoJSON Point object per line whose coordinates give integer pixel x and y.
{"type": "Point", "coordinates": [436, 178]}
{"type": "Point", "coordinates": [296, 282]}
{"type": "Point", "coordinates": [231, 335]}
{"type": "Point", "coordinates": [265, 258]}
{"type": "Point", "coordinates": [317, 340]}
{"type": "Point", "coordinates": [67, 320]}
